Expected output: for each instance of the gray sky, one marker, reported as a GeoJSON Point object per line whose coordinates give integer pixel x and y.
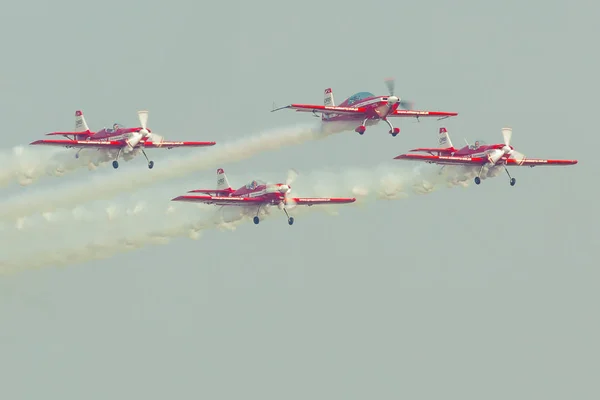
{"type": "Point", "coordinates": [485, 291]}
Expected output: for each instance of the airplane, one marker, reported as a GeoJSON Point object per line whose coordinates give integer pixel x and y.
{"type": "Point", "coordinates": [116, 141]}
{"type": "Point", "coordinates": [366, 107]}
{"type": "Point", "coordinates": [480, 155]}
{"type": "Point", "coordinates": [256, 195]}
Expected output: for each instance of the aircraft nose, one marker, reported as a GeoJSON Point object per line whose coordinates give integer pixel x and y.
{"type": "Point", "coordinates": [393, 99]}
{"type": "Point", "coordinates": [284, 188]}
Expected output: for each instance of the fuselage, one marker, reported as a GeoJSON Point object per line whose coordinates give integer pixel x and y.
{"type": "Point", "coordinates": [269, 194]}
{"type": "Point", "coordinates": [484, 151]}
{"type": "Point", "coordinates": [377, 107]}
{"type": "Point", "coordinates": [114, 135]}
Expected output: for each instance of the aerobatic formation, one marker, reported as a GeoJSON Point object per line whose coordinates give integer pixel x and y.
{"type": "Point", "coordinates": [357, 111]}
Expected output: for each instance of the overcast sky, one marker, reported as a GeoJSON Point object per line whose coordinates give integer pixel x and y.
{"type": "Point", "coordinates": [487, 291]}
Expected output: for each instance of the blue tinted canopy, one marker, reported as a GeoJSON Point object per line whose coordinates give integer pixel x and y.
{"type": "Point", "coordinates": [359, 96]}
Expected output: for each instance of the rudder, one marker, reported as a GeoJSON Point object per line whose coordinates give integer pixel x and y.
{"type": "Point", "coordinates": [328, 101]}
{"type": "Point", "coordinates": [444, 139]}
{"type": "Point", "coordinates": [222, 181]}
{"type": "Point", "coordinates": [80, 124]}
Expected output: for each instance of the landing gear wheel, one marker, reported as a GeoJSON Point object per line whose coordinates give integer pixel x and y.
{"type": "Point", "coordinates": [151, 164]}
{"type": "Point", "coordinates": [361, 129]}
{"type": "Point", "coordinates": [115, 164]}
{"type": "Point", "coordinates": [513, 181]}
{"type": "Point", "coordinates": [395, 132]}
{"type": "Point", "coordinates": [76, 155]}
{"type": "Point", "coordinates": [477, 180]}
{"type": "Point", "coordinates": [256, 220]}
{"type": "Point", "coordinates": [291, 220]}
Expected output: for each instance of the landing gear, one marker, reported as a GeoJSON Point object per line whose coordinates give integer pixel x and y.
{"type": "Point", "coordinates": [256, 220]}
{"type": "Point", "coordinates": [512, 180]}
{"type": "Point", "coordinates": [290, 219]}
{"type": "Point", "coordinates": [477, 178]}
{"type": "Point", "coordinates": [150, 163]}
{"type": "Point", "coordinates": [393, 131]}
{"type": "Point", "coordinates": [77, 154]}
{"type": "Point", "coordinates": [116, 162]}
{"type": "Point", "coordinates": [362, 128]}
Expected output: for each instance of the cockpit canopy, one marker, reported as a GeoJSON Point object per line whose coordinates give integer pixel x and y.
{"type": "Point", "coordinates": [254, 184]}
{"type": "Point", "coordinates": [358, 97]}
{"type": "Point", "coordinates": [478, 143]}
{"type": "Point", "coordinates": [115, 127]}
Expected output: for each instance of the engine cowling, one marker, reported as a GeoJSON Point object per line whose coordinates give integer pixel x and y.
{"type": "Point", "coordinates": [133, 140]}
{"type": "Point", "coordinates": [495, 155]}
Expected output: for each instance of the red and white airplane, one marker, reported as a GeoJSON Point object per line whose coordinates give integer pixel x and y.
{"type": "Point", "coordinates": [366, 107]}
{"type": "Point", "coordinates": [128, 142]}
{"type": "Point", "coordinates": [479, 155]}
{"type": "Point", "coordinates": [256, 195]}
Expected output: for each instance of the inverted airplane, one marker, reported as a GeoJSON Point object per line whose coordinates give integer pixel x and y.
{"type": "Point", "coordinates": [366, 107]}
{"type": "Point", "coordinates": [116, 141]}
{"type": "Point", "coordinates": [256, 195]}
{"type": "Point", "coordinates": [479, 155]}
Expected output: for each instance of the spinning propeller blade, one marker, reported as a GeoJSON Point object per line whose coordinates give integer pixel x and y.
{"type": "Point", "coordinates": [292, 174]}
{"type": "Point", "coordinates": [143, 116]}
{"type": "Point", "coordinates": [507, 135]}
{"type": "Point", "coordinates": [391, 85]}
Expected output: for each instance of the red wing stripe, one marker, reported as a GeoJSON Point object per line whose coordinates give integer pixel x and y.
{"type": "Point", "coordinates": [417, 113]}
{"type": "Point", "coordinates": [78, 143]}
{"type": "Point", "coordinates": [168, 144]}
{"type": "Point", "coordinates": [442, 159]}
{"type": "Point", "coordinates": [218, 199]}
{"type": "Point", "coordinates": [327, 109]}
{"type": "Point", "coordinates": [527, 162]}
{"type": "Point", "coordinates": [324, 200]}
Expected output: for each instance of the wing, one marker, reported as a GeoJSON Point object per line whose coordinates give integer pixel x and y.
{"type": "Point", "coordinates": [439, 150]}
{"type": "Point", "coordinates": [214, 192]}
{"type": "Point", "coordinates": [218, 199]}
{"type": "Point", "coordinates": [84, 133]}
{"type": "Point", "coordinates": [100, 144]}
{"type": "Point", "coordinates": [308, 201]}
{"type": "Point", "coordinates": [534, 162]}
{"type": "Point", "coordinates": [169, 145]}
{"type": "Point", "coordinates": [422, 114]}
{"type": "Point", "coordinates": [428, 158]}
{"type": "Point", "coordinates": [325, 109]}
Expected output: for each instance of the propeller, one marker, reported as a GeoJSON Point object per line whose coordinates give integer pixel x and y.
{"type": "Point", "coordinates": [144, 132]}
{"type": "Point", "coordinates": [512, 153]}
{"type": "Point", "coordinates": [391, 86]}
{"type": "Point", "coordinates": [507, 149]}
{"type": "Point", "coordinates": [291, 177]}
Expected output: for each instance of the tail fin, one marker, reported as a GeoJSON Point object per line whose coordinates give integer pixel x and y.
{"type": "Point", "coordinates": [80, 124]}
{"type": "Point", "coordinates": [328, 101]}
{"type": "Point", "coordinates": [444, 139]}
{"type": "Point", "coordinates": [222, 181]}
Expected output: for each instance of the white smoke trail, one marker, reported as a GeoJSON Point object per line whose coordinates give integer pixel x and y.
{"type": "Point", "coordinates": [25, 165]}
{"type": "Point", "coordinates": [114, 231]}
{"type": "Point", "coordinates": [120, 181]}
